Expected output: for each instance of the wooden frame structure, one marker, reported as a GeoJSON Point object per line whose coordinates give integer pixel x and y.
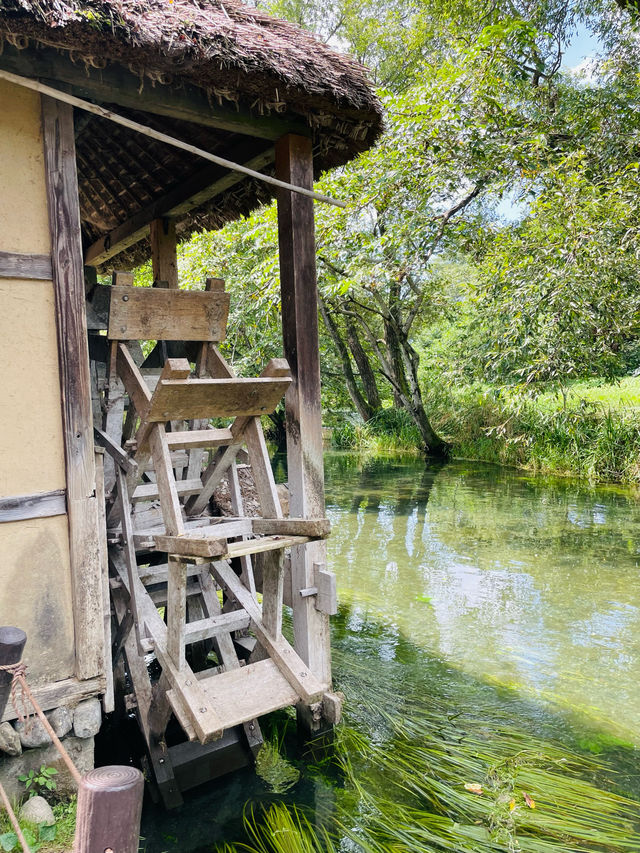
{"type": "Point", "coordinates": [85, 194]}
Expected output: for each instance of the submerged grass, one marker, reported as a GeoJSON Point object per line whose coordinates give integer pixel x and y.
{"type": "Point", "coordinates": [398, 777]}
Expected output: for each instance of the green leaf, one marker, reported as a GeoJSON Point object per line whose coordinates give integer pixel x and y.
{"type": "Point", "coordinates": [47, 833]}
{"type": "Point", "coordinates": [8, 841]}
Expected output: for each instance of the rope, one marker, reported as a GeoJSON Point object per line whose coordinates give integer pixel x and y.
{"type": "Point", "coordinates": [12, 817]}
{"type": "Point", "coordinates": [18, 672]}
{"type": "Point", "coordinates": [20, 693]}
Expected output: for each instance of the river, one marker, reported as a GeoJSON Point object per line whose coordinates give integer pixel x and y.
{"type": "Point", "coordinates": [492, 591]}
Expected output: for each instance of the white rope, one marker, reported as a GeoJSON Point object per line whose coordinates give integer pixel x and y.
{"type": "Point", "coordinates": [36, 86]}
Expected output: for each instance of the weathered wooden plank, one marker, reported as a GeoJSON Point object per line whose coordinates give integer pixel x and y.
{"type": "Point", "coordinates": [168, 492]}
{"type": "Point", "coordinates": [17, 265]}
{"type": "Point", "coordinates": [272, 591]}
{"type": "Point", "coordinates": [265, 543]}
{"type": "Point", "coordinates": [144, 313]}
{"type": "Point", "coordinates": [176, 611]}
{"type": "Point", "coordinates": [217, 468]}
{"type": "Point", "coordinates": [190, 439]}
{"type": "Point", "coordinates": [150, 491]}
{"type": "Point", "coordinates": [68, 282]}
{"type": "Point", "coordinates": [69, 692]}
{"type": "Point", "coordinates": [129, 554]}
{"type": "Point", "coordinates": [304, 682]}
{"type": "Point", "coordinates": [108, 700]}
{"type": "Point", "coordinates": [296, 237]}
{"type": "Point", "coordinates": [242, 694]}
{"type": "Point", "coordinates": [237, 506]}
{"type": "Point", "coordinates": [164, 253]}
{"type": "Point", "coordinates": [176, 399]}
{"type": "Point", "coordinates": [43, 505]}
{"type": "Point", "coordinates": [115, 451]}
{"type": "Point", "coordinates": [198, 708]}
{"type": "Point", "coordinates": [316, 528]}
{"type": "Point", "coordinates": [133, 380]}
{"type": "Point", "coordinates": [203, 629]}
{"type": "Point", "coordinates": [205, 542]}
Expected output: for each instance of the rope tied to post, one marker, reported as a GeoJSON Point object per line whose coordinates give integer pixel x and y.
{"type": "Point", "coordinates": [18, 693]}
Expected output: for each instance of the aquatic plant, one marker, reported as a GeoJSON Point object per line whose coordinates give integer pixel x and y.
{"type": "Point", "coordinates": [274, 769]}
{"type": "Point", "coordinates": [281, 830]}
{"type": "Point", "coordinates": [412, 773]}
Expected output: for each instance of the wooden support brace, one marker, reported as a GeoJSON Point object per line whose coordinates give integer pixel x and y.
{"type": "Point", "coordinates": [296, 672]}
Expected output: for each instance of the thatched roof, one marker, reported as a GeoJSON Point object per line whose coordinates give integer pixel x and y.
{"type": "Point", "coordinates": [239, 56]}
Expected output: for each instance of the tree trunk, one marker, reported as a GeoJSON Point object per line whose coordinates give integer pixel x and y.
{"type": "Point", "coordinates": [359, 401]}
{"type": "Point", "coordinates": [367, 376]}
{"type": "Point", "coordinates": [404, 361]}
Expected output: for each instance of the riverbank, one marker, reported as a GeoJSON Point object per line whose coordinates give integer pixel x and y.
{"type": "Point", "coordinates": [592, 433]}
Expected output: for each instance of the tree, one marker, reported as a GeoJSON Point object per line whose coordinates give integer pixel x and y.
{"type": "Point", "coordinates": [560, 290]}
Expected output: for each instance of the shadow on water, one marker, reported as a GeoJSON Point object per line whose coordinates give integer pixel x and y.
{"type": "Point", "coordinates": [476, 603]}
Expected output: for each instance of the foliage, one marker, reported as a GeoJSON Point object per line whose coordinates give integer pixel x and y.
{"type": "Point", "coordinates": [389, 430]}
{"type": "Point", "coordinates": [39, 781]}
{"type": "Point", "coordinates": [56, 838]}
{"type": "Point", "coordinates": [586, 439]}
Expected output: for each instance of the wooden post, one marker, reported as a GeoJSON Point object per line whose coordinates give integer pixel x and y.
{"type": "Point", "coordinates": [12, 642]}
{"type": "Point", "coordinates": [68, 283]}
{"type": "Point", "coordinates": [296, 234]}
{"type": "Point", "coordinates": [109, 810]}
{"type": "Point", "coordinates": [164, 252]}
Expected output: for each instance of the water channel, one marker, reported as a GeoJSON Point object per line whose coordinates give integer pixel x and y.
{"type": "Point", "coordinates": [505, 599]}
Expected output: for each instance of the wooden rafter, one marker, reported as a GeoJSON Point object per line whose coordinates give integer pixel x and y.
{"type": "Point", "coordinates": [194, 192]}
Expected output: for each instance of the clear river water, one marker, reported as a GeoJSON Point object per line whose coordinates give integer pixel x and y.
{"type": "Point", "coordinates": [493, 588]}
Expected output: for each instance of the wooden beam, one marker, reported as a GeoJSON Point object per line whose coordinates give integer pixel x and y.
{"type": "Point", "coordinates": [68, 284]}
{"type": "Point", "coordinates": [69, 692]}
{"type": "Point", "coordinates": [16, 265]}
{"type": "Point", "coordinates": [42, 505]}
{"type": "Point", "coordinates": [296, 236]}
{"type": "Point", "coordinates": [308, 687]}
{"type": "Point", "coordinates": [164, 251]}
{"type": "Point", "coordinates": [116, 85]}
{"type": "Point", "coordinates": [191, 193]}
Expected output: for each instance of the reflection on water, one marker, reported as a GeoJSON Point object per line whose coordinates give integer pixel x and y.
{"type": "Point", "coordinates": [527, 582]}
{"type": "Point", "coordinates": [503, 601]}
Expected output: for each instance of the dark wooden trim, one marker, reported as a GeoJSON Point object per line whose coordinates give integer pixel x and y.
{"type": "Point", "coordinates": [17, 265]}
{"type": "Point", "coordinates": [68, 284]}
{"type": "Point", "coordinates": [193, 192]}
{"type": "Point", "coordinates": [298, 286]}
{"type": "Point", "coordinates": [117, 85]}
{"type": "Point", "coordinates": [42, 505]}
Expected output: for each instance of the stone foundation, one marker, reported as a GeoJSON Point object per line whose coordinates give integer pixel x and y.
{"type": "Point", "coordinates": [27, 746]}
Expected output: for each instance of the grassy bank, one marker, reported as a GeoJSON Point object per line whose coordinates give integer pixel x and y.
{"type": "Point", "coordinates": [592, 432]}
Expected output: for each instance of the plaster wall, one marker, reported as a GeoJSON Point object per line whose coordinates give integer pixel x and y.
{"type": "Point", "coordinates": [35, 578]}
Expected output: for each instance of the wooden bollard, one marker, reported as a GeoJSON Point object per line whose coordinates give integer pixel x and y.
{"type": "Point", "coordinates": [109, 809]}
{"type": "Point", "coordinates": [12, 642]}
